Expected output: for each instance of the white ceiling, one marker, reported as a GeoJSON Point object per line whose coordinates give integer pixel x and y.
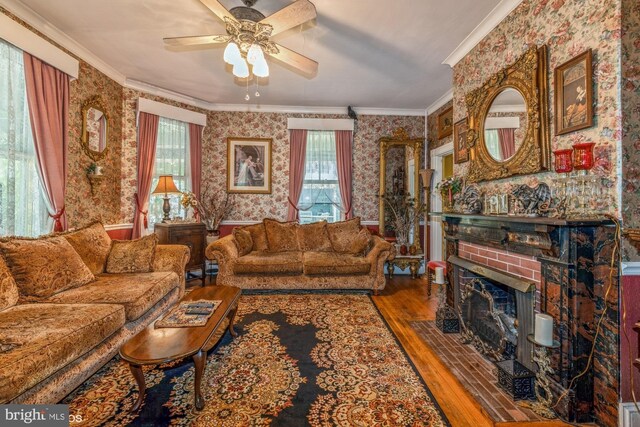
{"type": "Point", "coordinates": [372, 53]}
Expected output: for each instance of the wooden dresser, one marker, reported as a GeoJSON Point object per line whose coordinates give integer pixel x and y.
{"type": "Point", "coordinates": [191, 234]}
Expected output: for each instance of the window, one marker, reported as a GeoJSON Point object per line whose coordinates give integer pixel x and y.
{"type": "Point", "coordinates": [320, 197]}
{"type": "Point", "coordinates": [23, 210]}
{"type": "Point", "coordinates": [172, 158]}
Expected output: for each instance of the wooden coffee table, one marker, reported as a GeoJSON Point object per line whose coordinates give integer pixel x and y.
{"type": "Point", "coordinates": [153, 346]}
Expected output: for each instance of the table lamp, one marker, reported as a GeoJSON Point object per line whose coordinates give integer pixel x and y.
{"type": "Point", "coordinates": [166, 186]}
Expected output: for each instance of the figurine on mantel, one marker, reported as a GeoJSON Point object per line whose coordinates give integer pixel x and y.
{"type": "Point", "coordinates": [471, 200]}
{"type": "Point", "coordinates": [534, 201]}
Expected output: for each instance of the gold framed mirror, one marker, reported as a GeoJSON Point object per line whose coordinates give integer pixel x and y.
{"type": "Point", "coordinates": [400, 164]}
{"type": "Point", "coordinates": [508, 121]}
{"type": "Point", "coordinates": [95, 128]}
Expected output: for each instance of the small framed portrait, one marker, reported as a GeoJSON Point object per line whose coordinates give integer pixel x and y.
{"type": "Point", "coordinates": [445, 123]}
{"type": "Point", "coordinates": [249, 165]}
{"type": "Point", "coordinates": [573, 84]}
{"type": "Point", "coordinates": [460, 149]}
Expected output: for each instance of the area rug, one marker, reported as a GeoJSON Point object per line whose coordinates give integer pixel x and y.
{"type": "Point", "coordinates": [298, 360]}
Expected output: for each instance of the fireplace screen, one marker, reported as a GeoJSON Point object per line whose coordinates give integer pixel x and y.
{"type": "Point", "coordinates": [488, 316]}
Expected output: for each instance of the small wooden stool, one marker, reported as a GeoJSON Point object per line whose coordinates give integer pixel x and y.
{"type": "Point", "coordinates": [431, 269]}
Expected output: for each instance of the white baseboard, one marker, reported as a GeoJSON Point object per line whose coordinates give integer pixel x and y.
{"type": "Point", "coordinates": [629, 415]}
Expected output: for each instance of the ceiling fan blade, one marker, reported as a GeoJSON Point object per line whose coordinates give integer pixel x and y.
{"type": "Point", "coordinates": [196, 40]}
{"type": "Point", "coordinates": [291, 16]}
{"type": "Point", "coordinates": [296, 60]}
{"type": "Point", "coordinates": [216, 7]}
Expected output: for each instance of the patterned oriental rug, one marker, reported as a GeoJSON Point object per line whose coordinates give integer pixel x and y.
{"type": "Point", "coordinates": [299, 360]}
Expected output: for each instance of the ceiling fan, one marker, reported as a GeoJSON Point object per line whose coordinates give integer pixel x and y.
{"type": "Point", "coordinates": [249, 35]}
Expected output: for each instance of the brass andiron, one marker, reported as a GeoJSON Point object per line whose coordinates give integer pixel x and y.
{"type": "Point", "coordinates": [544, 401]}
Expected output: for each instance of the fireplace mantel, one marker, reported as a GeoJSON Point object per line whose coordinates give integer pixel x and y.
{"type": "Point", "coordinates": [574, 256]}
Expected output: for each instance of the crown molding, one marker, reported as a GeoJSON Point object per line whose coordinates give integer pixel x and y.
{"type": "Point", "coordinates": [31, 17]}
{"type": "Point", "coordinates": [491, 21]}
{"type": "Point", "coordinates": [448, 96]}
{"type": "Point", "coordinates": [630, 269]}
{"type": "Point", "coordinates": [252, 108]}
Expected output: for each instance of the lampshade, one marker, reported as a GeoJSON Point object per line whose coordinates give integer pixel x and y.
{"type": "Point", "coordinates": [241, 69]}
{"type": "Point", "coordinates": [232, 54]}
{"type": "Point", "coordinates": [166, 185]}
{"type": "Point", "coordinates": [261, 68]}
{"type": "Point", "coordinates": [255, 54]}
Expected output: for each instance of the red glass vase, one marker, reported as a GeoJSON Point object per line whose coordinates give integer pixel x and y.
{"type": "Point", "coordinates": [583, 156]}
{"type": "Point", "coordinates": [564, 162]}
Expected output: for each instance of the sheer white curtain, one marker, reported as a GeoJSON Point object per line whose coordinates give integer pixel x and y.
{"type": "Point", "coordinates": [172, 158]}
{"type": "Point", "coordinates": [320, 198]}
{"type": "Point", "coordinates": [22, 207]}
{"type": "Point", "coordinates": [492, 140]}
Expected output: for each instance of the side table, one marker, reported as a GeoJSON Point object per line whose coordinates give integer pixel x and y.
{"type": "Point", "coordinates": [414, 262]}
{"type": "Point", "coordinates": [191, 234]}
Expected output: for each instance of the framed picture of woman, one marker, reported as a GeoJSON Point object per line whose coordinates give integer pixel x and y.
{"type": "Point", "coordinates": [249, 165]}
{"type": "Point", "coordinates": [445, 123]}
{"type": "Point", "coordinates": [574, 94]}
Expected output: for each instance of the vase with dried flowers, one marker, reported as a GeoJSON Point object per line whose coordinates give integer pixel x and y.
{"type": "Point", "coordinates": [188, 201]}
{"type": "Point", "coordinates": [448, 188]}
{"type": "Point", "coordinates": [213, 207]}
{"type": "Point", "coordinates": [405, 213]}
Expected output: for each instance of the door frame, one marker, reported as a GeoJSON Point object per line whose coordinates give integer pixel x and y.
{"type": "Point", "coordinates": [437, 154]}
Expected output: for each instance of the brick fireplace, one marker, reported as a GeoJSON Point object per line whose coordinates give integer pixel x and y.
{"type": "Point", "coordinates": [568, 263]}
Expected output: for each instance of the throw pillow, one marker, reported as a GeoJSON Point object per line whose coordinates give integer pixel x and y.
{"type": "Point", "coordinates": [314, 237]}
{"type": "Point", "coordinates": [282, 236]}
{"type": "Point", "coordinates": [132, 256]}
{"type": "Point", "coordinates": [92, 244]}
{"type": "Point", "coordinates": [342, 234]}
{"type": "Point", "coordinates": [8, 288]}
{"type": "Point", "coordinates": [258, 237]}
{"type": "Point", "coordinates": [43, 267]}
{"type": "Point", "coordinates": [243, 241]}
{"type": "Point", "coordinates": [361, 244]}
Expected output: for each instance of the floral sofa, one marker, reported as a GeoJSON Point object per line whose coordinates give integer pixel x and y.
{"type": "Point", "coordinates": [287, 255]}
{"type": "Point", "coordinates": [69, 301]}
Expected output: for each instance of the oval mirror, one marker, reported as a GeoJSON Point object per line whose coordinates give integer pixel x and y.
{"type": "Point", "coordinates": [505, 126]}
{"type": "Point", "coordinates": [95, 123]}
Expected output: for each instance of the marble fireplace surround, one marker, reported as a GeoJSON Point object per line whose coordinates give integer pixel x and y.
{"type": "Point", "coordinates": [574, 257]}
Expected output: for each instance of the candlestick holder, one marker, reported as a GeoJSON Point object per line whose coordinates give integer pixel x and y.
{"type": "Point", "coordinates": [544, 399]}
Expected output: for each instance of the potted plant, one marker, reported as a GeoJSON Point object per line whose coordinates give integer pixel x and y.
{"type": "Point", "coordinates": [448, 189]}
{"type": "Point", "coordinates": [405, 213]}
{"type": "Point", "coordinates": [213, 208]}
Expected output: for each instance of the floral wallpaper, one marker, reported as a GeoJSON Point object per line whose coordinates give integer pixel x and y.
{"type": "Point", "coordinates": [432, 129]}
{"type": "Point", "coordinates": [254, 207]}
{"type": "Point", "coordinates": [80, 205]}
{"type": "Point", "coordinates": [567, 27]}
{"type": "Point", "coordinates": [631, 120]}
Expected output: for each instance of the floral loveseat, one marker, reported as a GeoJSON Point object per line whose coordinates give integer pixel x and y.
{"type": "Point", "coordinates": [279, 255]}
{"type": "Point", "coordinates": [63, 315]}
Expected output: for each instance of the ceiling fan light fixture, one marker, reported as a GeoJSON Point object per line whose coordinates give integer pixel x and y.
{"type": "Point", "coordinates": [232, 54]}
{"type": "Point", "coordinates": [261, 68]}
{"type": "Point", "coordinates": [241, 69]}
{"type": "Point", "coordinates": [254, 54]}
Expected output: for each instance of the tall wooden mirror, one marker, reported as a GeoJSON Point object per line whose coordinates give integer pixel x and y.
{"type": "Point", "coordinates": [400, 164]}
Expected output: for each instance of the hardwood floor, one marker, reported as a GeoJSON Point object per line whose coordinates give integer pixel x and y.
{"type": "Point", "coordinates": [405, 300]}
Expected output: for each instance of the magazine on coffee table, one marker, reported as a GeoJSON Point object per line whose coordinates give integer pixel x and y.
{"type": "Point", "coordinates": [189, 314]}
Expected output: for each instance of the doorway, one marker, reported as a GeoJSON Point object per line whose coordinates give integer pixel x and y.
{"type": "Point", "coordinates": [442, 165]}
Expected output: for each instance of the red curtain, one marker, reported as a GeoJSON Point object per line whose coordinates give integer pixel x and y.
{"type": "Point", "coordinates": [147, 137]}
{"type": "Point", "coordinates": [344, 157]}
{"type": "Point", "coordinates": [297, 154]}
{"type": "Point", "coordinates": [48, 100]}
{"type": "Point", "coordinates": [195, 157]}
{"type": "Point", "coordinates": [507, 139]}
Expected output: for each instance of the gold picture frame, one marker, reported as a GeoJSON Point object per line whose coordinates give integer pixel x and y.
{"type": "Point", "coordinates": [460, 148]}
{"type": "Point", "coordinates": [445, 123]}
{"type": "Point", "coordinates": [249, 165]}
{"type": "Point", "coordinates": [573, 89]}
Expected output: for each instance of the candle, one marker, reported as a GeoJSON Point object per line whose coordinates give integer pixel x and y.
{"type": "Point", "coordinates": [439, 275]}
{"type": "Point", "coordinates": [544, 329]}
